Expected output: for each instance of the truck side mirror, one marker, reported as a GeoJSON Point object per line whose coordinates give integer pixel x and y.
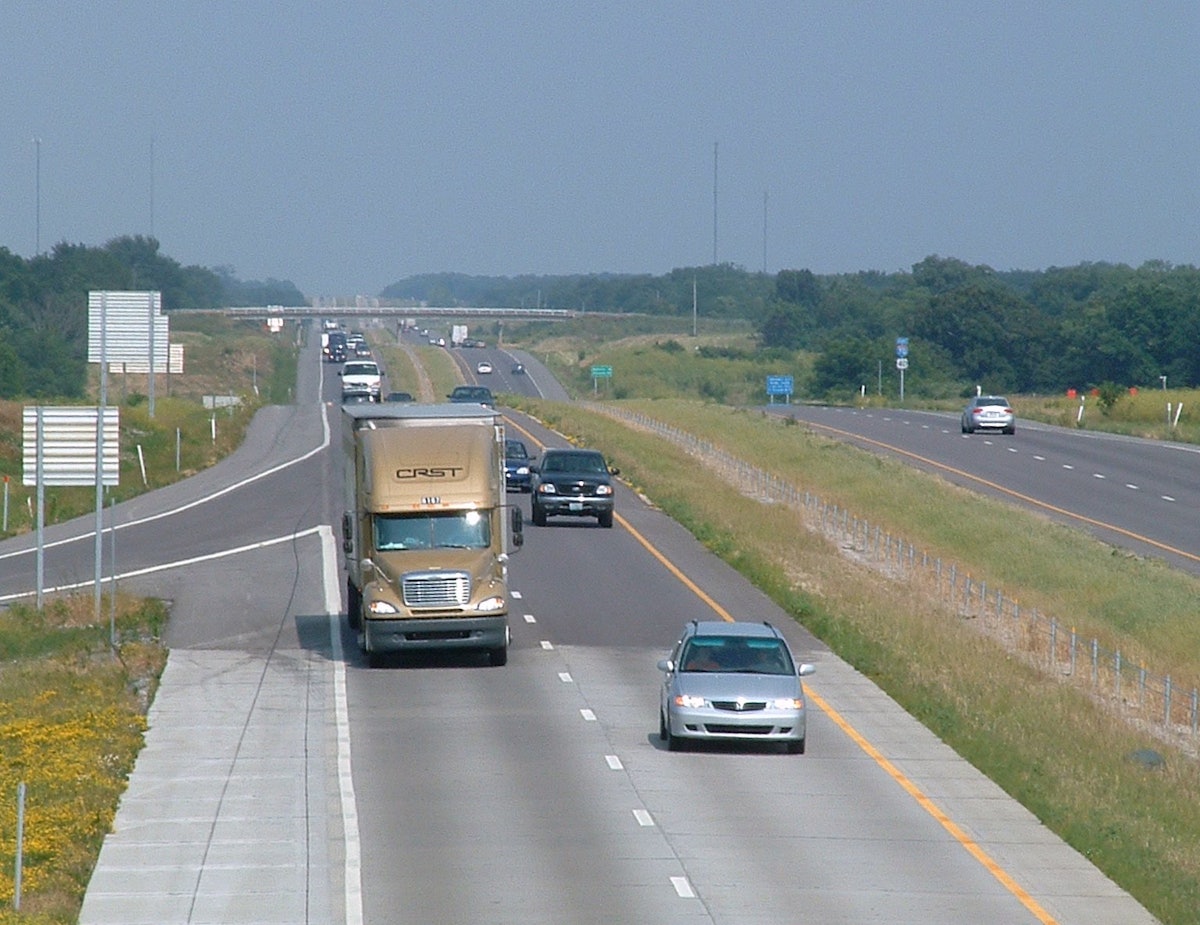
{"type": "Point", "coordinates": [518, 528]}
{"type": "Point", "coordinates": [347, 532]}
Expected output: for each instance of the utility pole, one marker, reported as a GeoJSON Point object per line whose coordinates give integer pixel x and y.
{"type": "Point", "coordinates": [714, 203]}
{"type": "Point", "coordinates": [37, 235]}
{"type": "Point", "coordinates": [764, 232]}
{"type": "Point", "coordinates": [151, 186]}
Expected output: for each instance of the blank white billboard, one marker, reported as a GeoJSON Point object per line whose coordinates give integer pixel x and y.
{"type": "Point", "coordinates": [127, 327]}
{"type": "Point", "coordinates": [69, 446]}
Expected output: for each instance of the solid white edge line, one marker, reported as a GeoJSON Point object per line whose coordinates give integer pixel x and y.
{"type": "Point", "coordinates": [191, 504]}
{"type": "Point", "coordinates": [352, 880]}
{"type": "Point", "coordinates": [166, 566]}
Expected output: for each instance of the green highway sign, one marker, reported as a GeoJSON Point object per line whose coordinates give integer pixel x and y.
{"type": "Point", "coordinates": [601, 372]}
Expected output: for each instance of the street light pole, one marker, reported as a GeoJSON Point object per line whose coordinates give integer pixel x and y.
{"type": "Point", "coordinates": [37, 237]}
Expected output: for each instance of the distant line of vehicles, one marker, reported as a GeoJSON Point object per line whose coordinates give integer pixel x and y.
{"type": "Point", "coordinates": [427, 533]}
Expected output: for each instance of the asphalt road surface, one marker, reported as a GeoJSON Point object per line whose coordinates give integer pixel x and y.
{"type": "Point", "coordinates": [284, 781]}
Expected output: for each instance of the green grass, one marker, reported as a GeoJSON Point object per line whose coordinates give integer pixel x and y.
{"type": "Point", "coordinates": [72, 715]}
{"type": "Point", "coordinates": [1046, 743]}
{"type": "Point", "coordinates": [221, 357]}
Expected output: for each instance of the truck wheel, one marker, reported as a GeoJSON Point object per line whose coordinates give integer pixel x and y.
{"type": "Point", "coordinates": [353, 605]}
{"type": "Point", "coordinates": [605, 518]}
{"type": "Point", "coordinates": [539, 517]}
{"type": "Point", "coordinates": [498, 657]}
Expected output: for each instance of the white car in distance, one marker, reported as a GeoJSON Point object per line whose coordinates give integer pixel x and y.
{"type": "Point", "coordinates": [362, 374]}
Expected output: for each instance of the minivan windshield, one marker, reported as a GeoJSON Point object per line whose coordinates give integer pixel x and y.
{"type": "Point", "coordinates": [736, 654]}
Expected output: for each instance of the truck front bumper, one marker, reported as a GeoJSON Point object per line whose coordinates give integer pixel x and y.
{"type": "Point", "coordinates": [415, 633]}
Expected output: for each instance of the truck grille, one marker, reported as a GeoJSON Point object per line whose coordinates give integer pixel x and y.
{"type": "Point", "coordinates": [437, 589]}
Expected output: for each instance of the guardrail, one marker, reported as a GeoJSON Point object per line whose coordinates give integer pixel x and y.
{"type": "Point", "coordinates": [1158, 703]}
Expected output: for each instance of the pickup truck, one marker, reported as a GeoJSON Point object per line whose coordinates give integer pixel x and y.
{"type": "Point", "coordinates": [574, 483]}
{"type": "Point", "coordinates": [362, 374]}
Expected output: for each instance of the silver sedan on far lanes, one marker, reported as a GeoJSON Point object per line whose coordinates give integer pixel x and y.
{"type": "Point", "coordinates": [989, 412]}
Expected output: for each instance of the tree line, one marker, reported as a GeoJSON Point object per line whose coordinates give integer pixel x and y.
{"type": "Point", "coordinates": [43, 305]}
{"type": "Point", "coordinates": [1079, 327]}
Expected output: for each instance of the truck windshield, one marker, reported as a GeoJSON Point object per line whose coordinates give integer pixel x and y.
{"type": "Point", "coordinates": [443, 530]}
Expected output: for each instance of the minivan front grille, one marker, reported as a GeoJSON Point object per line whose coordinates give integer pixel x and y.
{"type": "Point", "coordinates": [437, 589]}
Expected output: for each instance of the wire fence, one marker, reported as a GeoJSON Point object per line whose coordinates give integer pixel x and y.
{"type": "Point", "coordinates": [1156, 703]}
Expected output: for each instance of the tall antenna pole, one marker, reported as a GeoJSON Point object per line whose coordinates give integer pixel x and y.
{"type": "Point", "coordinates": [764, 232]}
{"type": "Point", "coordinates": [37, 234]}
{"type": "Point", "coordinates": [714, 203]}
{"type": "Point", "coordinates": [151, 186]}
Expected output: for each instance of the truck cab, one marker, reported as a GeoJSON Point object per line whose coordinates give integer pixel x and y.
{"type": "Point", "coordinates": [427, 529]}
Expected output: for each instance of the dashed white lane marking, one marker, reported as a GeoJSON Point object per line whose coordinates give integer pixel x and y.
{"type": "Point", "coordinates": [547, 644]}
{"type": "Point", "coordinates": [1167, 498]}
{"type": "Point", "coordinates": [683, 888]}
{"type": "Point", "coordinates": [530, 618]}
{"type": "Point", "coordinates": [1068, 466]}
{"type": "Point", "coordinates": [588, 715]}
{"type": "Point", "coordinates": [565, 677]}
{"type": "Point", "coordinates": [516, 595]}
{"type": "Point", "coordinates": [643, 818]}
{"type": "Point", "coordinates": [1097, 475]}
{"type": "Point", "coordinates": [614, 762]}
{"type": "Point", "coordinates": [1130, 485]}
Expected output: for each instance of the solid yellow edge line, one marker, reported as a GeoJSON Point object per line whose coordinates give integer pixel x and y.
{"type": "Point", "coordinates": [1027, 499]}
{"type": "Point", "coordinates": [935, 811]}
{"type": "Point", "coordinates": [895, 773]}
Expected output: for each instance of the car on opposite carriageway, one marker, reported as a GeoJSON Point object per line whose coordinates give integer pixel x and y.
{"type": "Point", "coordinates": [989, 412]}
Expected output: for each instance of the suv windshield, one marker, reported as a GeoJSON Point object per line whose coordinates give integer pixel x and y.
{"type": "Point", "coordinates": [477, 393]}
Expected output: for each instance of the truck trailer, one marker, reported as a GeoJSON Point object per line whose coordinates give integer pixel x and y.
{"type": "Point", "coordinates": [427, 530]}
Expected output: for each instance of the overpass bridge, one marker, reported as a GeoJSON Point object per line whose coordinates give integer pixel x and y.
{"type": "Point", "coordinates": [379, 310]}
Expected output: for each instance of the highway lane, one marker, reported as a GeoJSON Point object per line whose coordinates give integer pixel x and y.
{"type": "Point", "coordinates": [1139, 495]}
{"type": "Point", "coordinates": [545, 794]}
{"type": "Point", "coordinates": [539, 792]}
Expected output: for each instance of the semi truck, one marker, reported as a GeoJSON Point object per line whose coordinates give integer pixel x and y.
{"type": "Point", "coordinates": [426, 529]}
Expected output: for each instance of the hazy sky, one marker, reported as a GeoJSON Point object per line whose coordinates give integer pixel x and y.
{"type": "Point", "coordinates": [346, 145]}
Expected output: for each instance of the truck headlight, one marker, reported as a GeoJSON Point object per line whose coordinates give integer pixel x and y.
{"type": "Point", "coordinates": [381, 607]}
{"type": "Point", "coordinates": [604, 489]}
{"type": "Point", "coordinates": [491, 604]}
{"type": "Point", "coordinates": [546, 488]}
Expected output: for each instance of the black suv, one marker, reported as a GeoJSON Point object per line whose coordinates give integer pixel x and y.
{"type": "Point", "coordinates": [472, 393]}
{"type": "Point", "coordinates": [575, 483]}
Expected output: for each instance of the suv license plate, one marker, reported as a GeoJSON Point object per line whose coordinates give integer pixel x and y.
{"type": "Point", "coordinates": [576, 506]}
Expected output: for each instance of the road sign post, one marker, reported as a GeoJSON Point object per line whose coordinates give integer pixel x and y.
{"type": "Point", "coordinates": [598, 373]}
{"type": "Point", "coordinates": [902, 361]}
